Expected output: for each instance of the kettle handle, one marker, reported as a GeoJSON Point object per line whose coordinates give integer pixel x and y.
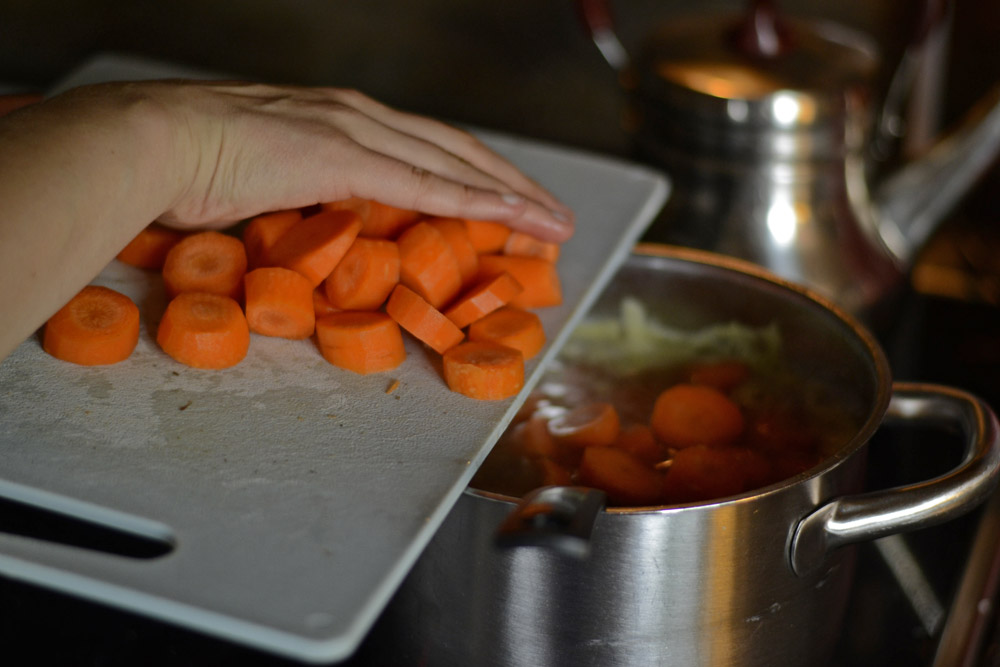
{"type": "Point", "coordinates": [596, 16]}
{"type": "Point", "coordinates": [877, 514]}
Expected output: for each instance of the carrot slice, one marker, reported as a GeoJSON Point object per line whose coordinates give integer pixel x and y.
{"type": "Point", "coordinates": [315, 245]}
{"type": "Point", "coordinates": [705, 473]}
{"type": "Point", "coordinates": [321, 304]}
{"type": "Point", "coordinates": [378, 220]}
{"type": "Point", "coordinates": [427, 264]}
{"type": "Point", "coordinates": [627, 480]}
{"type": "Point", "coordinates": [263, 231]}
{"type": "Point", "coordinates": [454, 232]}
{"type": "Point", "coordinates": [98, 326]}
{"type": "Point", "coordinates": [513, 327]}
{"type": "Point", "coordinates": [638, 440]}
{"type": "Point", "coordinates": [209, 261]}
{"type": "Point", "coordinates": [537, 276]}
{"type": "Point", "coordinates": [363, 279]}
{"type": "Point", "coordinates": [204, 330]}
{"type": "Point", "coordinates": [149, 248]}
{"type": "Point", "coordinates": [483, 300]}
{"type": "Point", "coordinates": [722, 375]}
{"type": "Point", "coordinates": [533, 438]}
{"type": "Point", "coordinates": [279, 302]}
{"type": "Point", "coordinates": [526, 245]}
{"type": "Point", "coordinates": [485, 371]}
{"type": "Point", "coordinates": [686, 415]}
{"type": "Point", "coordinates": [362, 341]}
{"type": "Point", "coordinates": [589, 425]}
{"type": "Point", "coordinates": [423, 320]}
{"type": "Point", "coordinates": [487, 236]}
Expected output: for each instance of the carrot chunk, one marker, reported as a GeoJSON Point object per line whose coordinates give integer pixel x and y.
{"type": "Point", "coordinates": [423, 320]}
{"type": "Point", "coordinates": [361, 341]}
{"type": "Point", "coordinates": [483, 299]}
{"type": "Point", "coordinates": [485, 371]}
{"type": "Point", "coordinates": [589, 425]}
{"type": "Point", "coordinates": [263, 231]}
{"type": "Point", "coordinates": [315, 245]}
{"type": "Point", "coordinates": [204, 330]}
{"type": "Point", "coordinates": [706, 473]}
{"type": "Point", "coordinates": [537, 276]}
{"type": "Point", "coordinates": [454, 232]}
{"type": "Point", "coordinates": [98, 326]}
{"type": "Point", "coordinates": [487, 236]}
{"type": "Point", "coordinates": [627, 480]}
{"type": "Point", "coordinates": [427, 264]}
{"type": "Point", "coordinates": [722, 375]}
{"type": "Point", "coordinates": [149, 248]}
{"type": "Point", "coordinates": [363, 279]}
{"type": "Point", "coordinates": [378, 220]}
{"type": "Point", "coordinates": [526, 245]}
{"type": "Point", "coordinates": [686, 415]}
{"type": "Point", "coordinates": [638, 440]}
{"type": "Point", "coordinates": [210, 262]}
{"type": "Point", "coordinates": [279, 302]}
{"type": "Point", "coordinates": [513, 327]}
{"type": "Point", "coordinates": [321, 304]}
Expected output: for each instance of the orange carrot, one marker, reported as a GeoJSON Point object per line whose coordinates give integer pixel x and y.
{"type": "Point", "coordinates": [263, 231]}
{"type": "Point", "coordinates": [315, 245]}
{"type": "Point", "coordinates": [589, 425]}
{"type": "Point", "coordinates": [454, 232]}
{"type": "Point", "coordinates": [487, 236]}
{"type": "Point", "coordinates": [378, 220]}
{"type": "Point", "coordinates": [98, 326]}
{"type": "Point", "coordinates": [363, 279]}
{"type": "Point", "coordinates": [553, 474]}
{"type": "Point", "coordinates": [686, 415]}
{"type": "Point", "coordinates": [638, 440]}
{"type": "Point", "coordinates": [533, 438]}
{"type": "Point", "coordinates": [485, 371]}
{"type": "Point", "coordinates": [706, 473]}
{"type": "Point", "coordinates": [537, 276]}
{"type": "Point", "coordinates": [427, 264]}
{"type": "Point", "coordinates": [526, 245]}
{"type": "Point", "coordinates": [321, 304]}
{"type": "Point", "coordinates": [204, 330]}
{"type": "Point", "coordinates": [421, 319]}
{"type": "Point", "coordinates": [149, 248]}
{"type": "Point", "coordinates": [361, 341]}
{"type": "Point", "coordinates": [513, 327]}
{"type": "Point", "coordinates": [722, 375]}
{"type": "Point", "coordinates": [483, 300]}
{"type": "Point", "coordinates": [209, 262]}
{"type": "Point", "coordinates": [279, 302]}
{"type": "Point", "coordinates": [627, 480]}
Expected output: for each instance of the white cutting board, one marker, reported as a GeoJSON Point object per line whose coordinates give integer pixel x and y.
{"type": "Point", "coordinates": [296, 496]}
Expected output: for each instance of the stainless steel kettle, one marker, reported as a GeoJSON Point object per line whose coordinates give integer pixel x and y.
{"type": "Point", "coordinates": [768, 129]}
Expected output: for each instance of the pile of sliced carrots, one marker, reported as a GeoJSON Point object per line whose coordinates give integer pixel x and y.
{"type": "Point", "coordinates": [354, 276]}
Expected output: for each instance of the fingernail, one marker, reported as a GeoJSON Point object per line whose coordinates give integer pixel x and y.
{"type": "Point", "coordinates": [559, 215]}
{"type": "Point", "coordinates": [512, 199]}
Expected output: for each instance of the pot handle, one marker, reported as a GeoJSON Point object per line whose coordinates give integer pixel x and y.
{"type": "Point", "coordinates": [873, 515]}
{"type": "Point", "coordinates": [596, 17]}
{"type": "Point", "coordinates": [559, 518]}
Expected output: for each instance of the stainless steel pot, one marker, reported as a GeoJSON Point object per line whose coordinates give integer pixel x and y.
{"type": "Point", "coordinates": [756, 579]}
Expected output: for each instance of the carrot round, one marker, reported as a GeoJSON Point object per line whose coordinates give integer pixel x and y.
{"type": "Point", "coordinates": [686, 415]}
{"type": "Point", "coordinates": [483, 300]}
{"type": "Point", "coordinates": [315, 245]}
{"type": "Point", "coordinates": [209, 261]}
{"type": "Point", "coordinates": [362, 341]}
{"type": "Point", "coordinates": [513, 327]}
{"type": "Point", "coordinates": [149, 248]}
{"type": "Point", "coordinates": [454, 232]}
{"type": "Point", "coordinates": [706, 473]}
{"type": "Point", "coordinates": [279, 302]}
{"type": "Point", "coordinates": [263, 231]}
{"type": "Point", "coordinates": [589, 425]}
{"type": "Point", "coordinates": [722, 375]}
{"type": "Point", "coordinates": [487, 236]}
{"type": "Point", "coordinates": [627, 480]}
{"type": "Point", "coordinates": [98, 326]}
{"type": "Point", "coordinates": [533, 439]}
{"type": "Point", "coordinates": [427, 264]}
{"type": "Point", "coordinates": [378, 220]}
{"type": "Point", "coordinates": [537, 276]}
{"type": "Point", "coordinates": [484, 371]}
{"type": "Point", "coordinates": [638, 440]}
{"type": "Point", "coordinates": [364, 278]}
{"type": "Point", "coordinates": [321, 304]}
{"type": "Point", "coordinates": [423, 320]}
{"type": "Point", "coordinates": [204, 330]}
{"type": "Point", "coordinates": [526, 245]}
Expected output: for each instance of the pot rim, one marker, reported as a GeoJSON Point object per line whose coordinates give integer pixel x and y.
{"type": "Point", "coordinates": [810, 299]}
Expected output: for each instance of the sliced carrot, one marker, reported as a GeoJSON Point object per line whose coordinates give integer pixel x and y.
{"type": "Point", "coordinates": [513, 327]}
{"type": "Point", "coordinates": [686, 415]}
{"type": "Point", "coordinates": [485, 371]}
{"type": "Point", "coordinates": [263, 231]}
{"type": "Point", "coordinates": [279, 302]}
{"type": "Point", "coordinates": [483, 300]}
{"type": "Point", "coordinates": [589, 425]}
{"type": "Point", "coordinates": [454, 232]}
{"type": "Point", "coordinates": [722, 375]}
{"type": "Point", "coordinates": [210, 262]}
{"type": "Point", "coordinates": [204, 330]}
{"type": "Point", "coordinates": [537, 276]}
{"type": "Point", "coordinates": [553, 474]}
{"type": "Point", "coordinates": [705, 473]}
{"type": "Point", "coordinates": [627, 480]}
{"type": "Point", "coordinates": [98, 326]}
{"type": "Point", "coordinates": [533, 438]}
{"type": "Point", "coordinates": [424, 321]}
{"type": "Point", "coordinates": [321, 304]}
{"type": "Point", "coordinates": [363, 279]}
{"type": "Point", "coordinates": [638, 440]}
{"type": "Point", "coordinates": [526, 245]}
{"type": "Point", "coordinates": [315, 245]}
{"type": "Point", "coordinates": [362, 341]}
{"type": "Point", "coordinates": [427, 264]}
{"type": "Point", "coordinates": [378, 220]}
{"type": "Point", "coordinates": [149, 248]}
{"type": "Point", "coordinates": [487, 236]}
